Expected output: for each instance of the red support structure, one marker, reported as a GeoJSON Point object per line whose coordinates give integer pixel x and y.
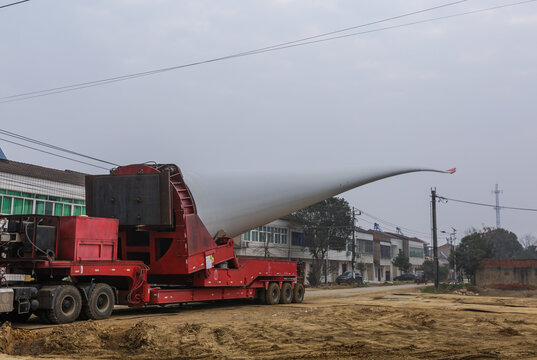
{"type": "Point", "coordinates": [172, 260]}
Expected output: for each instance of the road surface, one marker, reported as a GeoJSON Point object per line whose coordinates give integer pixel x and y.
{"type": "Point", "coordinates": [395, 322]}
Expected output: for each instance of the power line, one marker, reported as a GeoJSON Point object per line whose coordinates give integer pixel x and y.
{"type": "Point", "coordinates": [290, 44]}
{"type": "Point", "coordinates": [392, 225]}
{"type": "Point", "coordinates": [51, 153]}
{"type": "Point", "coordinates": [37, 142]}
{"type": "Point", "coordinates": [61, 89]}
{"type": "Point", "coordinates": [392, 229]}
{"type": "Point", "coordinates": [359, 26]}
{"type": "Point", "coordinates": [15, 3]}
{"type": "Point", "coordinates": [487, 205]}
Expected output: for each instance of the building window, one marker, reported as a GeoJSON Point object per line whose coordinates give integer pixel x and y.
{"type": "Point", "coordinates": [269, 234]}
{"type": "Point", "coordinates": [280, 235]}
{"type": "Point", "coordinates": [416, 252]}
{"type": "Point", "coordinates": [298, 239]}
{"type": "Point", "coordinates": [283, 235]}
{"type": "Point", "coordinates": [262, 233]}
{"type": "Point", "coordinates": [21, 203]}
{"type": "Point", "coordinates": [366, 247]}
{"type": "Point", "coordinates": [6, 205]}
{"type": "Point", "coordinates": [385, 252]}
{"type": "Point", "coordinates": [48, 208]}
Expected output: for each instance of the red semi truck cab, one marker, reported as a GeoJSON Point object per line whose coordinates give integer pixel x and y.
{"type": "Point", "coordinates": [142, 244]}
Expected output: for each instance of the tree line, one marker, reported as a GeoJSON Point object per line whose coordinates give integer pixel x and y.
{"type": "Point", "coordinates": [328, 225]}
{"type": "Point", "coordinates": [490, 243]}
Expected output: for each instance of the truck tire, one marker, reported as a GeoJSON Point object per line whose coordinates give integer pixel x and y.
{"type": "Point", "coordinates": [273, 294]}
{"type": "Point", "coordinates": [66, 307]}
{"type": "Point", "coordinates": [298, 293]}
{"type": "Point", "coordinates": [100, 304]}
{"type": "Point", "coordinates": [286, 295]}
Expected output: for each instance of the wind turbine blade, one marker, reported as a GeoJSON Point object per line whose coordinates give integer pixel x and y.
{"type": "Point", "coordinates": [238, 202]}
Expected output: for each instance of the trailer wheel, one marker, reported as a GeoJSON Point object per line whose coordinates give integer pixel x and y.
{"type": "Point", "coordinates": [100, 304]}
{"type": "Point", "coordinates": [273, 294]}
{"type": "Point", "coordinates": [286, 295]}
{"type": "Point", "coordinates": [67, 306]}
{"type": "Point", "coordinates": [298, 293]}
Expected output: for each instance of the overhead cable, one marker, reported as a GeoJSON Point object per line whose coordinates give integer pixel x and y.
{"type": "Point", "coordinates": [286, 45]}
{"type": "Point", "coordinates": [392, 229]}
{"type": "Point", "coordinates": [61, 89]}
{"type": "Point", "coordinates": [15, 3]}
{"type": "Point", "coordinates": [390, 224]}
{"type": "Point", "coordinates": [37, 142]}
{"type": "Point", "coordinates": [487, 205]}
{"type": "Point", "coordinates": [51, 153]}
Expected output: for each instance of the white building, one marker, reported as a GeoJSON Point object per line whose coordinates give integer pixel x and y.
{"type": "Point", "coordinates": [31, 189]}
{"type": "Point", "coordinates": [282, 240]}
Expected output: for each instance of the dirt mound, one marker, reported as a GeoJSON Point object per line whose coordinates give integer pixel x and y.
{"type": "Point", "coordinates": [71, 338]}
{"type": "Point", "coordinates": [140, 337]}
{"type": "Point", "coordinates": [81, 339]}
{"type": "Point", "coordinates": [14, 341]}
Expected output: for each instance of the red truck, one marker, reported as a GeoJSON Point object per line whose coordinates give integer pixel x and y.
{"type": "Point", "coordinates": [142, 244]}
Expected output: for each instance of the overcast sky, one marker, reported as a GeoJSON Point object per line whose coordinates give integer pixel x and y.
{"type": "Point", "coordinates": [459, 92]}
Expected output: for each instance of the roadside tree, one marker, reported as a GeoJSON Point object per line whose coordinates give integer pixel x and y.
{"type": "Point", "coordinates": [326, 225]}
{"type": "Point", "coordinates": [529, 242]}
{"type": "Point", "coordinates": [402, 262]}
{"type": "Point", "coordinates": [506, 244]}
{"type": "Point", "coordinates": [472, 249]}
{"type": "Point", "coordinates": [360, 266]}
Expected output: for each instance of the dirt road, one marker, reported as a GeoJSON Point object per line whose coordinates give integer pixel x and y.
{"type": "Point", "coordinates": [395, 322]}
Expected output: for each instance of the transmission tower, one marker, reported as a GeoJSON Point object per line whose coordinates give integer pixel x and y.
{"type": "Point", "coordinates": [497, 192]}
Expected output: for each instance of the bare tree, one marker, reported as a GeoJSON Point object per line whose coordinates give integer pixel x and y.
{"type": "Point", "coordinates": [528, 240]}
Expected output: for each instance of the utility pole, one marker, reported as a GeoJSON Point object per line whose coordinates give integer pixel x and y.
{"type": "Point", "coordinates": [353, 265]}
{"type": "Point", "coordinates": [326, 265]}
{"type": "Point", "coordinates": [435, 239]}
{"type": "Point", "coordinates": [451, 241]}
{"type": "Point", "coordinates": [453, 237]}
{"type": "Point", "coordinates": [497, 192]}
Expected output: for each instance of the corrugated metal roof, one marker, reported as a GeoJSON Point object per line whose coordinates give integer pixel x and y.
{"type": "Point", "coordinates": [41, 172]}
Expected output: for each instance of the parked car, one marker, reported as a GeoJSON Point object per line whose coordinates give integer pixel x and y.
{"type": "Point", "coordinates": [405, 277]}
{"type": "Point", "coordinates": [346, 278]}
{"type": "Point", "coordinates": [420, 278]}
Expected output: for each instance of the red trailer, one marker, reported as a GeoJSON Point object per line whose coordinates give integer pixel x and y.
{"type": "Point", "coordinates": [142, 244]}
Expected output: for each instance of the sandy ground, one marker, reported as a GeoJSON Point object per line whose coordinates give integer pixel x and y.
{"type": "Point", "coordinates": [395, 322]}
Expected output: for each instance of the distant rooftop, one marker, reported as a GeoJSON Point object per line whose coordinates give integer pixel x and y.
{"type": "Point", "coordinates": [388, 235]}
{"type": "Point", "coordinates": [41, 172]}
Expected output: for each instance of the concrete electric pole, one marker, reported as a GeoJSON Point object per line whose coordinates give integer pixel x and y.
{"type": "Point", "coordinates": [497, 192]}
{"type": "Point", "coordinates": [435, 239]}
{"type": "Point", "coordinates": [353, 248]}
